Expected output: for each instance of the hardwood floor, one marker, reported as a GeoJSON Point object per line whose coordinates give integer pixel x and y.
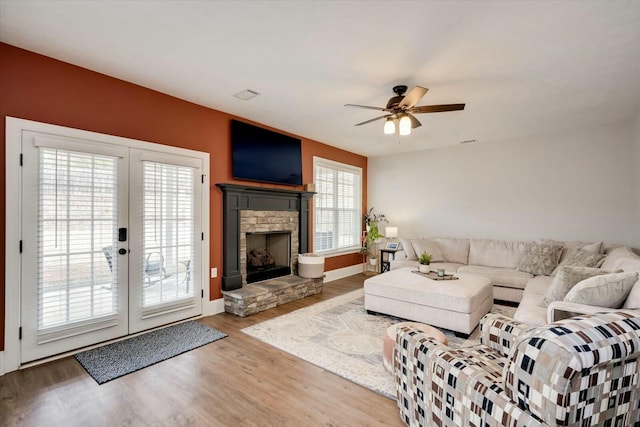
{"type": "Point", "coordinates": [237, 381]}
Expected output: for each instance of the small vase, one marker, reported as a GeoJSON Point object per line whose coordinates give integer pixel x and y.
{"type": "Point", "coordinates": [425, 268]}
{"type": "Point", "coordinates": [373, 261]}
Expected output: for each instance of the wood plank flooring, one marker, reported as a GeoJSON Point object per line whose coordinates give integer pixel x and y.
{"type": "Point", "coordinates": [237, 381]}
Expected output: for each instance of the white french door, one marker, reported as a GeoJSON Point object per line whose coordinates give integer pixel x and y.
{"type": "Point", "coordinates": [111, 242]}
{"type": "Point", "coordinates": [165, 196]}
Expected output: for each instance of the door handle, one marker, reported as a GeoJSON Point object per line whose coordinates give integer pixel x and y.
{"type": "Point", "coordinates": [122, 234]}
{"type": "Point", "coordinates": [122, 251]}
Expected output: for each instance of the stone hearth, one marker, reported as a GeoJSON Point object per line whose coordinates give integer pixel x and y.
{"type": "Point", "coordinates": [260, 296]}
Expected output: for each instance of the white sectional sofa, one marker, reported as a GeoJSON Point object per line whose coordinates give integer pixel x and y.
{"type": "Point", "coordinates": [502, 262]}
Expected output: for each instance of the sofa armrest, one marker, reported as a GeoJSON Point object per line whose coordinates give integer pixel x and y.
{"type": "Point", "coordinates": [401, 255]}
{"type": "Point", "coordinates": [499, 332]}
{"type": "Point", "coordinates": [559, 310]}
{"type": "Point", "coordinates": [464, 390]}
{"type": "Point", "coordinates": [409, 378]}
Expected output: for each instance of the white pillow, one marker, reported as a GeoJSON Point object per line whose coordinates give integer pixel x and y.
{"type": "Point", "coordinates": [407, 247]}
{"type": "Point", "coordinates": [429, 246]}
{"type": "Point", "coordinates": [607, 290]}
{"type": "Point", "coordinates": [566, 278]}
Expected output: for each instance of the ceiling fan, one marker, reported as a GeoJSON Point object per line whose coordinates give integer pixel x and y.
{"type": "Point", "coordinates": [403, 107]}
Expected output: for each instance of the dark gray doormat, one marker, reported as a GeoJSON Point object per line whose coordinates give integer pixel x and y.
{"type": "Point", "coordinates": [123, 357]}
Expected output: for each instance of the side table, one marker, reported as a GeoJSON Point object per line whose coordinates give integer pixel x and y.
{"type": "Point", "coordinates": [385, 263]}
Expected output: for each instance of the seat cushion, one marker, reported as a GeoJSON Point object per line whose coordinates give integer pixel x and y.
{"type": "Point", "coordinates": [449, 267]}
{"type": "Point", "coordinates": [507, 277]}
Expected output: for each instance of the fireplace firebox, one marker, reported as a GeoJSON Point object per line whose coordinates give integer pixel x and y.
{"type": "Point", "coordinates": [268, 255]}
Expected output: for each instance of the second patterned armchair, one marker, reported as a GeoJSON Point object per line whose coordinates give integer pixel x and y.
{"type": "Point", "coordinates": [582, 371]}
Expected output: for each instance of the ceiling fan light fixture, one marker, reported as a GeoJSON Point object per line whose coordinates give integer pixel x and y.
{"type": "Point", "coordinates": [405, 125]}
{"type": "Point", "coordinates": [389, 126]}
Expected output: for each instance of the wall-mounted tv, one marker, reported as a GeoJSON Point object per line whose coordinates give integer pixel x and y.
{"type": "Point", "coordinates": [262, 155]}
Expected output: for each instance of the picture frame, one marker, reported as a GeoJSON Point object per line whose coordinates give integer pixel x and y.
{"type": "Point", "coordinates": [392, 246]}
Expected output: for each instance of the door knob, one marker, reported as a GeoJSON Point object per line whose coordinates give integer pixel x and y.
{"type": "Point", "coordinates": [122, 251]}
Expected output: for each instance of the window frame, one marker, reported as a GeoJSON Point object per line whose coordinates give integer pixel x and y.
{"type": "Point", "coordinates": [339, 167]}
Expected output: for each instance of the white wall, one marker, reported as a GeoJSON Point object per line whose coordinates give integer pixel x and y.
{"type": "Point", "coordinates": [570, 186]}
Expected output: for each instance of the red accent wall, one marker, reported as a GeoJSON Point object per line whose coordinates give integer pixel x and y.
{"type": "Point", "coordinates": [39, 88]}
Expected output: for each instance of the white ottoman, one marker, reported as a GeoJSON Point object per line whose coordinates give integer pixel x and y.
{"type": "Point", "coordinates": [457, 305]}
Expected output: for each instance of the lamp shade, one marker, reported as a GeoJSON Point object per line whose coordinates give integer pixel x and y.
{"type": "Point", "coordinates": [391, 231]}
{"type": "Point", "coordinates": [405, 125]}
{"type": "Point", "coordinates": [389, 127]}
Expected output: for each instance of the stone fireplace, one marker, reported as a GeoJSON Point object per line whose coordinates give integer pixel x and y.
{"type": "Point", "coordinates": [258, 211]}
{"type": "Point", "coordinates": [268, 244]}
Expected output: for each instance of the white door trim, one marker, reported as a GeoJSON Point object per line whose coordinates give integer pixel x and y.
{"type": "Point", "coordinates": [14, 129]}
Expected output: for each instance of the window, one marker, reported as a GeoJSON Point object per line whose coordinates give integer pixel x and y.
{"type": "Point", "coordinates": [337, 206]}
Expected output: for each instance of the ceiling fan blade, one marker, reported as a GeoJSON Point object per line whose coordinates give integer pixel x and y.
{"type": "Point", "coordinates": [413, 97]}
{"type": "Point", "coordinates": [366, 106]}
{"type": "Point", "coordinates": [373, 120]}
{"type": "Point", "coordinates": [415, 123]}
{"type": "Point", "coordinates": [437, 108]}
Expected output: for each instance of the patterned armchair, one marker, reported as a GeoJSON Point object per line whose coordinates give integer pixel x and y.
{"type": "Point", "coordinates": [582, 371]}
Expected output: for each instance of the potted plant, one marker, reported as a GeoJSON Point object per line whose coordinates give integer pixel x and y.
{"type": "Point", "coordinates": [425, 262]}
{"type": "Point", "coordinates": [371, 220]}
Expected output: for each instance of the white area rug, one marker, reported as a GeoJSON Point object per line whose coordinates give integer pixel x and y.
{"type": "Point", "coordinates": [338, 335]}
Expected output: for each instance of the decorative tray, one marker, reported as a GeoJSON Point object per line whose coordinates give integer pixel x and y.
{"type": "Point", "coordinates": [433, 275]}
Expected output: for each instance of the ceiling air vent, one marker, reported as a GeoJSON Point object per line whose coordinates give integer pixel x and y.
{"type": "Point", "coordinates": [246, 95]}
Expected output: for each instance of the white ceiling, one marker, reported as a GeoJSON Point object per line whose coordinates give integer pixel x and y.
{"type": "Point", "coordinates": [522, 68]}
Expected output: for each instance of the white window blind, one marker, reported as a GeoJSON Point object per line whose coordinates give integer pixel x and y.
{"type": "Point", "coordinates": [337, 206]}
{"type": "Point", "coordinates": [168, 232]}
{"type": "Point", "coordinates": [77, 230]}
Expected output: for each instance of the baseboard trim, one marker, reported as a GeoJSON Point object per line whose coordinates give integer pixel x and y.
{"type": "Point", "coordinates": [213, 307]}
{"type": "Point", "coordinates": [340, 273]}
{"type": "Point", "coordinates": [1, 363]}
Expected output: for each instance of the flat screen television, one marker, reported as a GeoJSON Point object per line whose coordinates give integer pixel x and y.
{"type": "Point", "coordinates": [262, 155]}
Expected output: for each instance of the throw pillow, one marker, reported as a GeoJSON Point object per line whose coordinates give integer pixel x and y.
{"type": "Point", "coordinates": [581, 257]}
{"type": "Point", "coordinates": [630, 264]}
{"type": "Point", "coordinates": [429, 246]}
{"type": "Point", "coordinates": [566, 278]}
{"type": "Point", "coordinates": [407, 247]}
{"type": "Point", "coordinates": [540, 258]}
{"type": "Point", "coordinates": [615, 254]}
{"type": "Point", "coordinates": [594, 247]}
{"type": "Point", "coordinates": [607, 290]}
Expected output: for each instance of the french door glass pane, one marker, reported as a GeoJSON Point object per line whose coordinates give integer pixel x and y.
{"type": "Point", "coordinates": [77, 224]}
{"type": "Point", "coordinates": [168, 232]}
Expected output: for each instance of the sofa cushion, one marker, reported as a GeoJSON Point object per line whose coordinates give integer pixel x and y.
{"type": "Point", "coordinates": [580, 257]}
{"type": "Point", "coordinates": [429, 246]}
{"type": "Point", "coordinates": [607, 290]}
{"type": "Point", "coordinates": [507, 277]}
{"type": "Point", "coordinates": [630, 264]}
{"type": "Point", "coordinates": [565, 279]}
{"type": "Point", "coordinates": [614, 255]}
{"type": "Point", "coordinates": [529, 310]}
{"type": "Point", "coordinates": [454, 250]}
{"type": "Point", "coordinates": [495, 253]}
{"type": "Point", "coordinates": [540, 258]}
{"type": "Point", "coordinates": [407, 247]}
{"type": "Point", "coordinates": [449, 267]}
